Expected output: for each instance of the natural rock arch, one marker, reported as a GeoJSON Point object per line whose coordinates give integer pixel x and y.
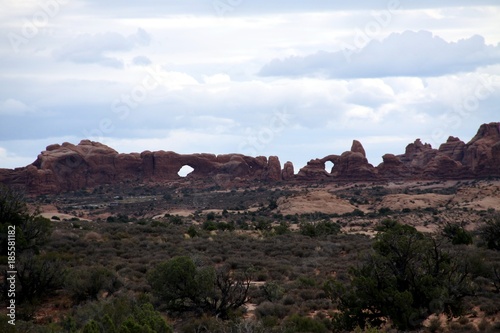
{"type": "Point", "coordinates": [329, 166]}
{"type": "Point", "coordinates": [185, 170]}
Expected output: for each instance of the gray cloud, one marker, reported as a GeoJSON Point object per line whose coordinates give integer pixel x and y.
{"type": "Point", "coordinates": [401, 54]}
{"type": "Point", "coordinates": [208, 98]}
{"type": "Point", "coordinates": [89, 48]}
{"type": "Point", "coordinates": [256, 7]}
{"type": "Point", "coordinates": [141, 61]}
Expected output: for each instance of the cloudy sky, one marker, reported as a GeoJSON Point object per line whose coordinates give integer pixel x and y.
{"type": "Point", "coordinates": [297, 79]}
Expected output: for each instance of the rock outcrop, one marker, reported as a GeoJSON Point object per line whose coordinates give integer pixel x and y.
{"type": "Point", "coordinates": [314, 169]}
{"type": "Point", "coordinates": [274, 168]}
{"type": "Point", "coordinates": [481, 153]}
{"type": "Point", "coordinates": [288, 172]}
{"type": "Point", "coordinates": [70, 167]}
{"type": "Point", "coordinates": [392, 167]}
{"type": "Point", "coordinates": [453, 148]}
{"type": "Point", "coordinates": [351, 165]}
{"type": "Point", "coordinates": [357, 147]}
{"type": "Point", "coordinates": [454, 159]}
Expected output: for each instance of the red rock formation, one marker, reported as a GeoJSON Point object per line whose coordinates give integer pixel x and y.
{"type": "Point", "coordinates": [354, 165]}
{"type": "Point", "coordinates": [129, 166]}
{"type": "Point", "coordinates": [454, 159]}
{"type": "Point", "coordinates": [331, 158]}
{"type": "Point", "coordinates": [417, 155]}
{"type": "Point", "coordinates": [274, 168]}
{"type": "Point", "coordinates": [392, 167]}
{"type": "Point", "coordinates": [481, 153]}
{"type": "Point", "coordinates": [357, 147]}
{"type": "Point", "coordinates": [351, 165]}
{"type": "Point", "coordinates": [443, 166]}
{"type": "Point", "coordinates": [315, 169]}
{"type": "Point", "coordinates": [453, 148]}
{"type": "Point", "coordinates": [288, 172]}
{"type": "Point", "coordinates": [69, 167]}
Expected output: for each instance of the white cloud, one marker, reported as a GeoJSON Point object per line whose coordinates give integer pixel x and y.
{"type": "Point", "coordinates": [407, 54]}
{"type": "Point", "coordinates": [259, 7]}
{"type": "Point", "coordinates": [141, 61]}
{"type": "Point", "coordinates": [172, 80]}
{"type": "Point", "coordinates": [88, 48]}
{"type": "Point", "coordinates": [14, 107]}
{"type": "Point", "coordinates": [217, 78]}
{"type": "Point", "coordinates": [182, 141]}
{"type": "Point", "coordinates": [361, 112]}
{"type": "Point", "coordinates": [10, 160]}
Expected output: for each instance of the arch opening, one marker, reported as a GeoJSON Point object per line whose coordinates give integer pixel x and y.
{"type": "Point", "coordinates": [329, 166]}
{"type": "Point", "coordinates": [185, 171]}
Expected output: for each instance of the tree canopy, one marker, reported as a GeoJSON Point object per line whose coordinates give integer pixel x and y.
{"type": "Point", "coordinates": [406, 277]}
{"type": "Point", "coordinates": [32, 230]}
{"type": "Point", "coordinates": [182, 286]}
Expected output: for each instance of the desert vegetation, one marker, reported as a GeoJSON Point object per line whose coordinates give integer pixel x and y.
{"type": "Point", "coordinates": [137, 259]}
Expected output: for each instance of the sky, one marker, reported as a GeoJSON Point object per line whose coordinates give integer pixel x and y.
{"type": "Point", "coordinates": [295, 79]}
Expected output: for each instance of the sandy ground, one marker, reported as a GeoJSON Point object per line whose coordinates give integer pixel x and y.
{"type": "Point", "coordinates": [188, 212]}
{"type": "Point", "coordinates": [314, 201]}
{"type": "Point", "coordinates": [48, 211]}
{"type": "Point", "coordinates": [480, 198]}
{"type": "Point", "coordinates": [49, 215]}
{"type": "Point", "coordinates": [414, 201]}
{"type": "Point", "coordinates": [179, 212]}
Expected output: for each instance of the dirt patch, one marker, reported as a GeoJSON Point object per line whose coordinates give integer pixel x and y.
{"type": "Point", "coordinates": [179, 212]}
{"type": "Point", "coordinates": [93, 236]}
{"type": "Point", "coordinates": [430, 228]}
{"type": "Point", "coordinates": [61, 216]}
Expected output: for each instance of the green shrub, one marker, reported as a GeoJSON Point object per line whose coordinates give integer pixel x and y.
{"type": "Point", "coordinates": [160, 224]}
{"type": "Point", "coordinates": [407, 277]}
{"type": "Point", "coordinates": [269, 309]}
{"type": "Point", "coordinates": [490, 232]}
{"type": "Point", "coordinates": [282, 229]}
{"type": "Point", "coordinates": [192, 232]}
{"type": "Point", "coordinates": [209, 225]}
{"type": "Point", "coordinates": [183, 287]}
{"type": "Point", "coordinates": [297, 323]}
{"type": "Point", "coordinates": [273, 291]}
{"type": "Point", "coordinates": [86, 283]}
{"type": "Point", "coordinates": [175, 219]}
{"type": "Point", "coordinates": [263, 224]}
{"type": "Point", "coordinates": [38, 276]}
{"type": "Point", "coordinates": [31, 229]}
{"type": "Point", "coordinates": [321, 228]}
{"type": "Point", "coordinates": [384, 211]}
{"type": "Point", "coordinates": [91, 327]}
{"type": "Point", "coordinates": [457, 234]}
{"type": "Point", "coordinates": [357, 212]}
{"type": "Point", "coordinates": [272, 204]}
{"type": "Point", "coordinates": [120, 315]}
